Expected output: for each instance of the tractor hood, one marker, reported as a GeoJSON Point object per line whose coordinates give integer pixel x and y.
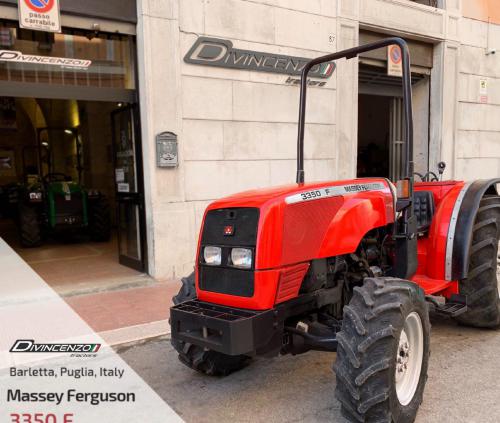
{"type": "Point", "coordinates": [280, 194]}
{"type": "Point", "coordinates": [333, 215]}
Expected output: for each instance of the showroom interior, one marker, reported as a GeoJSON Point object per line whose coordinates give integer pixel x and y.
{"type": "Point", "coordinates": [69, 132]}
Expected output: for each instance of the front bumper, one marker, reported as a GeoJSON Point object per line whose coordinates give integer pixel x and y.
{"type": "Point", "coordinates": [228, 330]}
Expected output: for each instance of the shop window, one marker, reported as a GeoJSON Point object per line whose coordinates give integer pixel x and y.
{"type": "Point", "coordinates": [73, 58]}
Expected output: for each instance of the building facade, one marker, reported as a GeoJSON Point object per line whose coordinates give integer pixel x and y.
{"type": "Point", "coordinates": [236, 124]}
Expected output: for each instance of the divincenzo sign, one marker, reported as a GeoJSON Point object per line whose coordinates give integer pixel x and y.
{"type": "Point", "coordinates": [221, 53]}
{"type": "Point", "coordinates": [18, 57]}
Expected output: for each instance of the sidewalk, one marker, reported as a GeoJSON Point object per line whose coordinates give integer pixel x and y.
{"type": "Point", "coordinates": [119, 303]}
{"type": "Point", "coordinates": [127, 315]}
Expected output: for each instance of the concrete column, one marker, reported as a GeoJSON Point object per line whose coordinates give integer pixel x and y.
{"type": "Point", "coordinates": [347, 90]}
{"type": "Point", "coordinates": [443, 107]}
{"type": "Point", "coordinates": [161, 110]}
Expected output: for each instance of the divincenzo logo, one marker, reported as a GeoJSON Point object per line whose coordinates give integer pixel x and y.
{"type": "Point", "coordinates": [18, 57]}
{"type": "Point", "coordinates": [30, 346]}
{"type": "Point", "coordinates": [220, 53]}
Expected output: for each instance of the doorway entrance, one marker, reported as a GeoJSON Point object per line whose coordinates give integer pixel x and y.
{"type": "Point", "coordinates": [373, 136]}
{"type": "Point", "coordinates": [70, 157]}
{"type": "Point", "coordinates": [66, 185]}
{"type": "Point", "coordinates": [380, 123]}
{"type": "Point", "coordinates": [380, 111]}
{"type": "Point", "coordinates": [128, 182]}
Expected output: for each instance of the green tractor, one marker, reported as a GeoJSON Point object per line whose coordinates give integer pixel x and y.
{"type": "Point", "coordinates": [52, 201]}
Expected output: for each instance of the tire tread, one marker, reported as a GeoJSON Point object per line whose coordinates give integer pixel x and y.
{"type": "Point", "coordinates": [364, 357]}
{"type": "Point", "coordinates": [481, 285]}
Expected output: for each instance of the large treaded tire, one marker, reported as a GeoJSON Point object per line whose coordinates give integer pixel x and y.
{"type": "Point", "coordinates": [481, 285]}
{"type": "Point", "coordinates": [209, 362]}
{"type": "Point", "coordinates": [368, 347]}
{"type": "Point", "coordinates": [100, 220]}
{"type": "Point", "coordinates": [187, 291]}
{"type": "Point", "coordinates": [29, 227]}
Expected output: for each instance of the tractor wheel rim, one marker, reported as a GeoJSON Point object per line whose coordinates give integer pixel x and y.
{"type": "Point", "coordinates": [409, 358]}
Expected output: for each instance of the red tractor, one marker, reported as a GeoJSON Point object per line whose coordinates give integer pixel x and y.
{"type": "Point", "coordinates": [349, 266]}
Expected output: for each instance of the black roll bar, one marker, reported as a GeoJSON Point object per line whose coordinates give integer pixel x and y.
{"type": "Point", "coordinates": [407, 101]}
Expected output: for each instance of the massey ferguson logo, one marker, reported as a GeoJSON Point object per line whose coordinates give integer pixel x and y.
{"type": "Point", "coordinates": [30, 346]}
{"type": "Point", "coordinates": [220, 53]}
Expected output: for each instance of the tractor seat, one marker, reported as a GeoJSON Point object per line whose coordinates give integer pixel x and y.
{"type": "Point", "coordinates": [424, 208]}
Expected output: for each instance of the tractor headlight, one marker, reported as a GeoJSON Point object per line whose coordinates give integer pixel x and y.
{"type": "Point", "coordinates": [35, 196]}
{"type": "Point", "coordinates": [93, 193]}
{"type": "Point", "coordinates": [241, 257]}
{"type": "Point", "coordinates": [212, 255]}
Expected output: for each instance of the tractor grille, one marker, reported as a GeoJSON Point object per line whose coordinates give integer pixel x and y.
{"type": "Point", "coordinates": [244, 221]}
{"type": "Point", "coordinates": [72, 207]}
{"type": "Point", "coordinates": [225, 279]}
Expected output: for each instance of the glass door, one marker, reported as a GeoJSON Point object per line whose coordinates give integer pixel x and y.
{"type": "Point", "coordinates": [129, 188]}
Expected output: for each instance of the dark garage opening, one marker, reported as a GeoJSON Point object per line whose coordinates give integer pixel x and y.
{"type": "Point", "coordinates": [373, 136]}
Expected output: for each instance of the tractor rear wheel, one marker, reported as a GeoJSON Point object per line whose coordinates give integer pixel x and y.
{"type": "Point", "coordinates": [383, 352]}
{"type": "Point", "coordinates": [212, 363]}
{"type": "Point", "coordinates": [29, 227]}
{"type": "Point", "coordinates": [100, 220]}
{"type": "Point", "coordinates": [481, 287]}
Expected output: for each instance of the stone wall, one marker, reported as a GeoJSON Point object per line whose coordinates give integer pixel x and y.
{"type": "Point", "coordinates": [478, 124]}
{"type": "Point", "coordinates": [237, 129]}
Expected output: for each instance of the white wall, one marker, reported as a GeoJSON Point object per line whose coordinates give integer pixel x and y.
{"type": "Point", "coordinates": [478, 124]}
{"type": "Point", "coordinates": [237, 129]}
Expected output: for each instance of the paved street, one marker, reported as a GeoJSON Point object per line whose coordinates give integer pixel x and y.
{"type": "Point", "coordinates": [463, 383]}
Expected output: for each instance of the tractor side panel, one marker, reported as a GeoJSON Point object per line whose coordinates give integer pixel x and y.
{"type": "Point", "coordinates": [354, 220]}
{"type": "Point", "coordinates": [304, 231]}
{"type": "Point", "coordinates": [305, 225]}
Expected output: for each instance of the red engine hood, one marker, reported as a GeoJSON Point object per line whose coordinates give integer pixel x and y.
{"type": "Point", "coordinates": [265, 196]}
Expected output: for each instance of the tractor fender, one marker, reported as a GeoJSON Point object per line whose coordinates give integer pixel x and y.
{"type": "Point", "coordinates": [460, 231]}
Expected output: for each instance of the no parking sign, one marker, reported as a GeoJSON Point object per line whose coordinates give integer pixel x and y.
{"type": "Point", "coordinates": [394, 61]}
{"type": "Point", "coordinates": [40, 15]}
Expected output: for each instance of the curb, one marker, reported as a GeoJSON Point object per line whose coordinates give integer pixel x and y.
{"type": "Point", "coordinates": [134, 334]}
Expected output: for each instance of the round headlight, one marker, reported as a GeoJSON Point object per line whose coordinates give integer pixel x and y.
{"type": "Point", "coordinates": [241, 257]}
{"type": "Point", "coordinates": [212, 255]}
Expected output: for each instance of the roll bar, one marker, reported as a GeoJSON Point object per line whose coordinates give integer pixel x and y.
{"type": "Point", "coordinates": [407, 102]}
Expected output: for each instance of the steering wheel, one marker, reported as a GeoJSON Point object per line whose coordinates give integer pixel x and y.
{"type": "Point", "coordinates": [427, 177]}
{"type": "Point", "coordinates": [55, 177]}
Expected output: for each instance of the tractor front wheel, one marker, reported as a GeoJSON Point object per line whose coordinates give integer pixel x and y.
{"type": "Point", "coordinates": [481, 285]}
{"type": "Point", "coordinates": [29, 227]}
{"type": "Point", "coordinates": [205, 361]}
{"type": "Point", "coordinates": [383, 352]}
